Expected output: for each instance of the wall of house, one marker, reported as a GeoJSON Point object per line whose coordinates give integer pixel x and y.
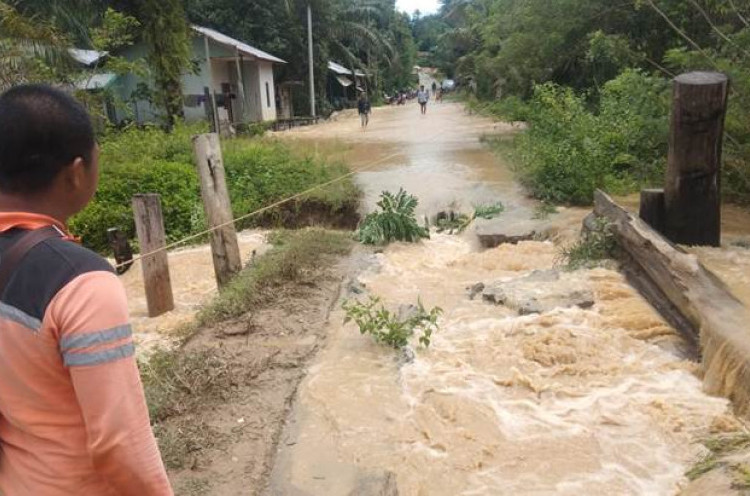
{"type": "Point", "coordinates": [255, 73]}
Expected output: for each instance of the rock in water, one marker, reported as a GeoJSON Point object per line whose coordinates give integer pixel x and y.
{"type": "Point", "coordinates": [475, 290]}
{"type": "Point", "coordinates": [540, 292]}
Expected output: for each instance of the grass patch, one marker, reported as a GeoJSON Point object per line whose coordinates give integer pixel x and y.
{"type": "Point", "coordinates": [177, 383]}
{"type": "Point", "coordinates": [704, 466]}
{"type": "Point", "coordinates": [594, 246]}
{"type": "Point", "coordinates": [182, 443]}
{"type": "Point", "coordinates": [296, 256]}
{"type": "Point", "coordinates": [721, 446]}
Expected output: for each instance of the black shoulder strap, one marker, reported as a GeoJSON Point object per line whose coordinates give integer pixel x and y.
{"type": "Point", "coordinates": [14, 255]}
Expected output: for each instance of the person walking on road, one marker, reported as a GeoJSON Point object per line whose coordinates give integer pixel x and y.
{"type": "Point", "coordinates": [73, 418]}
{"type": "Point", "coordinates": [434, 88]}
{"type": "Point", "coordinates": [423, 96]}
{"type": "Point", "coordinates": [364, 107]}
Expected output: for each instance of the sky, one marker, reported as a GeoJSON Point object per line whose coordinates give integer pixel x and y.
{"type": "Point", "coordinates": [424, 6]}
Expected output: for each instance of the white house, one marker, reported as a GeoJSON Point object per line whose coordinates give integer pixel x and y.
{"type": "Point", "coordinates": [239, 79]}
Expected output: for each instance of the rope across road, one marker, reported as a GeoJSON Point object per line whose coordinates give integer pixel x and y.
{"type": "Point", "coordinates": [270, 207]}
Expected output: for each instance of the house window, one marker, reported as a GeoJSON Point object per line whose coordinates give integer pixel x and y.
{"type": "Point", "coordinates": [268, 95]}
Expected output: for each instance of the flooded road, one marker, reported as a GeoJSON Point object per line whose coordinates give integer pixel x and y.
{"type": "Point", "coordinates": [571, 401]}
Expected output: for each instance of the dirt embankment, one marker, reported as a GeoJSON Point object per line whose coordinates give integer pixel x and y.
{"type": "Point", "coordinates": [225, 446]}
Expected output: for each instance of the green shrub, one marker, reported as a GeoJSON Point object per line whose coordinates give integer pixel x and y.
{"type": "Point", "coordinates": [396, 221]}
{"type": "Point", "coordinates": [569, 150]}
{"type": "Point", "coordinates": [389, 328]}
{"type": "Point", "coordinates": [594, 246]}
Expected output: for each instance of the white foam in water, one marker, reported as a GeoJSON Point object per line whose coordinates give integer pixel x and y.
{"type": "Point", "coordinates": [571, 402]}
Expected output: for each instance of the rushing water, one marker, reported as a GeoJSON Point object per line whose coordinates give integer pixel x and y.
{"type": "Point", "coordinates": [573, 401]}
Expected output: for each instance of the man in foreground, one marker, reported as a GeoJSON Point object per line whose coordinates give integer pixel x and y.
{"type": "Point", "coordinates": [73, 419]}
{"type": "Point", "coordinates": [423, 97]}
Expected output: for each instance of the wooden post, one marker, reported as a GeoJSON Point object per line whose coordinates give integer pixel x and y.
{"type": "Point", "coordinates": [149, 225]}
{"type": "Point", "coordinates": [209, 110]}
{"type": "Point", "coordinates": [241, 86]}
{"type": "Point", "coordinates": [652, 208]}
{"type": "Point", "coordinates": [210, 77]}
{"type": "Point", "coordinates": [692, 192]}
{"type": "Point", "coordinates": [224, 246]}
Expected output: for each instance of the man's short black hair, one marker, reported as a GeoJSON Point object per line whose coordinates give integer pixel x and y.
{"type": "Point", "coordinates": [42, 130]}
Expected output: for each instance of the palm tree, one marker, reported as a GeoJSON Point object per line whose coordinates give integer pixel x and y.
{"type": "Point", "coordinates": [31, 49]}
{"type": "Point", "coordinates": [351, 30]}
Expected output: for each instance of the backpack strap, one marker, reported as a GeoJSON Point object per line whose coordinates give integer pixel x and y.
{"type": "Point", "coordinates": [11, 259]}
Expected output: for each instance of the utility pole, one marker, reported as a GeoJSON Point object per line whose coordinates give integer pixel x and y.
{"type": "Point", "coordinates": [311, 63]}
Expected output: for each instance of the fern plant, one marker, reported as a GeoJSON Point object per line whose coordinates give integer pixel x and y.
{"type": "Point", "coordinates": [396, 221]}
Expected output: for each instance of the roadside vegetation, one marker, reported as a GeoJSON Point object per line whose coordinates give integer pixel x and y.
{"type": "Point", "coordinates": [591, 80]}
{"type": "Point", "coordinates": [722, 449]}
{"type": "Point", "coordinates": [296, 257]}
{"type": "Point", "coordinates": [181, 383]}
{"type": "Point", "coordinates": [595, 245]}
{"type": "Point", "coordinates": [395, 221]}
{"type": "Point", "coordinates": [259, 172]}
{"type": "Point", "coordinates": [393, 329]}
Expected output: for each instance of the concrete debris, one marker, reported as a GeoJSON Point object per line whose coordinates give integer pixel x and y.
{"type": "Point", "coordinates": [540, 292]}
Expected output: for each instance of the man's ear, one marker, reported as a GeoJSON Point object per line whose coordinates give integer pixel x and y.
{"type": "Point", "coordinates": [75, 174]}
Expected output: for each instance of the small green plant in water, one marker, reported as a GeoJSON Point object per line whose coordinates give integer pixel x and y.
{"type": "Point", "coordinates": [594, 246]}
{"type": "Point", "coordinates": [488, 211]}
{"type": "Point", "coordinates": [452, 222]}
{"type": "Point", "coordinates": [389, 328]}
{"type": "Point", "coordinates": [395, 221]}
{"type": "Point", "coordinates": [544, 210]}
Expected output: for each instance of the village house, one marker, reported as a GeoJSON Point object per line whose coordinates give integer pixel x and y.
{"type": "Point", "coordinates": [232, 77]}
{"type": "Point", "coordinates": [344, 85]}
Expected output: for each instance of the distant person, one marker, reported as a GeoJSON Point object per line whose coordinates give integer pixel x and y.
{"type": "Point", "coordinates": [423, 96]}
{"type": "Point", "coordinates": [364, 108]}
{"type": "Point", "coordinates": [73, 418]}
{"type": "Point", "coordinates": [434, 88]}
{"type": "Point", "coordinates": [439, 95]}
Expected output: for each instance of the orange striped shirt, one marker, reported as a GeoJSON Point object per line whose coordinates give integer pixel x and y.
{"type": "Point", "coordinates": [73, 418]}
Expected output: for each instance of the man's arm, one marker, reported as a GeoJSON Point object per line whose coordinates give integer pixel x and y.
{"type": "Point", "coordinates": [97, 347]}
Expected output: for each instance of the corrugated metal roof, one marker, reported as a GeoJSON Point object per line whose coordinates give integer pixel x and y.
{"type": "Point", "coordinates": [242, 47]}
{"type": "Point", "coordinates": [96, 82]}
{"type": "Point", "coordinates": [344, 81]}
{"type": "Point", "coordinates": [341, 70]}
{"type": "Point", "coordinates": [86, 57]}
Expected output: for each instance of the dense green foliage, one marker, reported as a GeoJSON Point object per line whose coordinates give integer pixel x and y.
{"type": "Point", "coordinates": [395, 221]}
{"type": "Point", "coordinates": [389, 328]}
{"type": "Point", "coordinates": [591, 79]}
{"type": "Point", "coordinates": [570, 150]}
{"type": "Point", "coordinates": [259, 172]}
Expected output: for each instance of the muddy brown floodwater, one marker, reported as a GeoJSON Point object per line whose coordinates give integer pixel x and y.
{"type": "Point", "coordinates": [572, 401]}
